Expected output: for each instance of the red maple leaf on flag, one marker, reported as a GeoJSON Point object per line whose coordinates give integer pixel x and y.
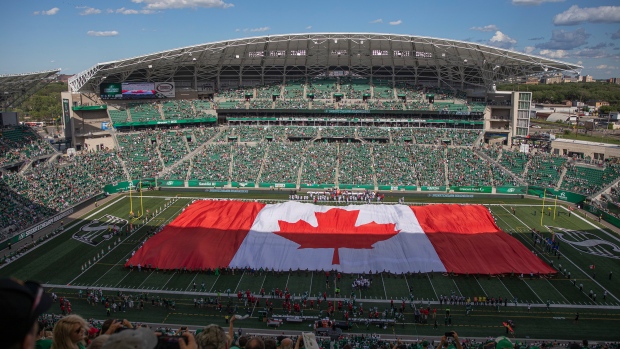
{"type": "Point", "coordinates": [336, 229]}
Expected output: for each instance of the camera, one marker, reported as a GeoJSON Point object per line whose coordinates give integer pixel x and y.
{"type": "Point", "coordinates": [169, 342]}
{"type": "Point", "coordinates": [449, 334]}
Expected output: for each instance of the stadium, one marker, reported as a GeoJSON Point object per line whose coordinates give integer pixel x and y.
{"type": "Point", "coordinates": [378, 181]}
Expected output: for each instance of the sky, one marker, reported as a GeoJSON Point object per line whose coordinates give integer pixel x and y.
{"type": "Point", "coordinates": [75, 35]}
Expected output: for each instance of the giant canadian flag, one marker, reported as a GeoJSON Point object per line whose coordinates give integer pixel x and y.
{"type": "Point", "coordinates": [352, 239]}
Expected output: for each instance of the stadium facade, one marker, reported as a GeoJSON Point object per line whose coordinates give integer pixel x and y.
{"type": "Point", "coordinates": [461, 74]}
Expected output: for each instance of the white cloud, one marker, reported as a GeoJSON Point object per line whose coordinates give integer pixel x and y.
{"type": "Point", "coordinates": [529, 49]}
{"type": "Point", "coordinates": [576, 15]}
{"type": "Point", "coordinates": [580, 62]}
{"type": "Point", "coordinates": [49, 12]}
{"type": "Point", "coordinates": [398, 22]}
{"type": "Point", "coordinates": [502, 40]}
{"type": "Point", "coordinates": [532, 2]}
{"type": "Point", "coordinates": [89, 10]}
{"type": "Point", "coordinates": [602, 66]}
{"type": "Point", "coordinates": [102, 33]}
{"type": "Point", "coordinates": [378, 20]}
{"type": "Point", "coordinates": [261, 29]}
{"type": "Point", "coordinates": [486, 28]}
{"type": "Point", "coordinates": [554, 53]}
{"type": "Point", "coordinates": [178, 4]}
{"type": "Point", "coordinates": [565, 40]}
{"type": "Point", "coordinates": [237, 30]}
{"type": "Point", "coordinates": [309, 27]}
{"type": "Point", "coordinates": [129, 11]}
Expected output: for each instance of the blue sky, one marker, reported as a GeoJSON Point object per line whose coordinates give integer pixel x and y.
{"type": "Point", "coordinates": [75, 35]}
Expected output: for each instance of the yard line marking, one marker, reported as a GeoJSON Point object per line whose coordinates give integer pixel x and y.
{"type": "Point", "coordinates": [556, 289]}
{"type": "Point", "coordinates": [241, 278]}
{"type": "Point", "coordinates": [168, 280]}
{"type": "Point", "coordinates": [287, 276]}
{"type": "Point", "coordinates": [429, 280]}
{"type": "Point", "coordinates": [190, 283]}
{"type": "Point", "coordinates": [503, 284]}
{"type": "Point", "coordinates": [217, 278]}
{"type": "Point", "coordinates": [146, 279]}
{"type": "Point", "coordinates": [311, 278]}
{"type": "Point", "coordinates": [457, 287]}
{"type": "Point", "coordinates": [122, 258]}
{"type": "Point", "coordinates": [383, 282]}
{"type": "Point", "coordinates": [485, 292]}
{"type": "Point", "coordinates": [118, 283]}
{"type": "Point", "coordinates": [568, 259]}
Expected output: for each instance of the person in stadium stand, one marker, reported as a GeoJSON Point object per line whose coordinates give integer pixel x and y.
{"type": "Point", "coordinates": [255, 343]}
{"type": "Point", "coordinates": [70, 333]}
{"type": "Point", "coordinates": [286, 343]}
{"type": "Point", "coordinates": [21, 303]}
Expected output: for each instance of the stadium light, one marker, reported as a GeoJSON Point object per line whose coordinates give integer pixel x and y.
{"type": "Point", "coordinates": [150, 66]}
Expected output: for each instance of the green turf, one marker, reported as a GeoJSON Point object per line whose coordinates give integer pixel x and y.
{"type": "Point", "coordinates": [60, 260]}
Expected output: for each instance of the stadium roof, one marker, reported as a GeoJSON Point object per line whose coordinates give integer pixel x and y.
{"type": "Point", "coordinates": [15, 88]}
{"type": "Point", "coordinates": [271, 58]}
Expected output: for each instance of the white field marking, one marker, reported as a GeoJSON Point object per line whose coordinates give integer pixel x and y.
{"type": "Point", "coordinates": [485, 292]}
{"type": "Point", "coordinates": [429, 280]}
{"type": "Point", "coordinates": [152, 272]}
{"type": "Point", "coordinates": [384, 290]}
{"type": "Point", "coordinates": [311, 278]}
{"type": "Point", "coordinates": [190, 283]}
{"type": "Point", "coordinates": [568, 259]}
{"type": "Point", "coordinates": [557, 290]}
{"type": "Point", "coordinates": [457, 288]}
{"type": "Point", "coordinates": [214, 282]}
{"type": "Point", "coordinates": [122, 258]}
{"type": "Point", "coordinates": [162, 286]}
{"type": "Point", "coordinates": [507, 289]}
{"type": "Point", "coordinates": [239, 283]}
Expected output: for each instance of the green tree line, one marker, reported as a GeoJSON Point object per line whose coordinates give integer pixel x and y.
{"type": "Point", "coordinates": [45, 104]}
{"type": "Point", "coordinates": [582, 92]}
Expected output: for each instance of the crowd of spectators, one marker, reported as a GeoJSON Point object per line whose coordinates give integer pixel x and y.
{"type": "Point", "coordinates": [355, 164]}
{"type": "Point", "coordinates": [20, 144]}
{"type": "Point", "coordinates": [393, 165]}
{"type": "Point", "coordinates": [247, 161]}
{"type": "Point", "coordinates": [282, 162]}
{"type": "Point", "coordinates": [465, 168]}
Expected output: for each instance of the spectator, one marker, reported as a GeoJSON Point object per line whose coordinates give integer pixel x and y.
{"type": "Point", "coordinates": [257, 343]}
{"type": "Point", "coordinates": [212, 337]}
{"type": "Point", "coordinates": [70, 332]}
{"type": "Point", "coordinates": [21, 303]}
{"type": "Point", "coordinates": [98, 342]}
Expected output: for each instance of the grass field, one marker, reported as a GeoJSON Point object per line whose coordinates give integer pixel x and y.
{"type": "Point", "coordinates": [67, 265]}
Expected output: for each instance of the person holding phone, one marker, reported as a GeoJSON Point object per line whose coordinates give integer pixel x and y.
{"type": "Point", "coordinates": [445, 340]}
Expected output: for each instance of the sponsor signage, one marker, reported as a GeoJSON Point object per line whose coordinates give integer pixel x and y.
{"type": "Point", "coordinates": [66, 117]}
{"type": "Point", "coordinates": [198, 183]}
{"type": "Point", "coordinates": [433, 188]}
{"type": "Point", "coordinates": [511, 190]}
{"type": "Point", "coordinates": [472, 189]}
{"type": "Point", "coordinates": [552, 193]}
{"type": "Point", "coordinates": [164, 122]}
{"type": "Point", "coordinates": [165, 89]}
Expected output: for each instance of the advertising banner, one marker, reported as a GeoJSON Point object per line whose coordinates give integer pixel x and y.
{"type": "Point", "coordinates": [472, 189]}
{"type": "Point", "coordinates": [276, 185]}
{"type": "Point", "coordinates": [172, 183]}
{"type": "Point", "coordinates": [212, 184]}
{"type": "Point", "coordinates": [511, 190]}
{"type": "Point", "coordinates": [433, 188]}
{"type": "Point", "coordinates": [316, 186]}
{"type": "Point", "coordinates": [552, 193]}
{"type": "Point", "coordinates": [112, 90]}
{"type": "Point", "coordinates": [165, 89]}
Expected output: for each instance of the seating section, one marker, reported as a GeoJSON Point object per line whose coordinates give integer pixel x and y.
{"type": "Point", "coordinates": [385, 105]}
{"type": "Point", "coordinates": [544, 170]}
{"type": "Point", "coordinates": [230, 104]}
{"type": "Point", "coordinates": [212, 163]}
{"type": "Point", "coordinates": [589, 180]}
{"type": "Point", "coordinates": [355, 164]}
{"type": "Point", "coordinates": [320, 164]}
{"type": "Point", "coordinates": [180, 109]}
{"type": "Point", "coordinates": [463, 137]}
{"type": "Point", "coordinates": [268, 91]}
{"type": "Point", "coordinates": [141, 112]}
{"type": "Point", "coordinates": [429, 164]}
{"type": "Point", "coordinates": [283, 162]}
{"type": "Point", "coordinates": [200, 136]}
{"type": "Point", "coordinates": [294, 90]}
{"type": "Point", "coordinates": [515, 162]}
{"type": "Point", "coordinates": [450, 107]}
{"type": "Point", "coordinates": [248, 133]}
{"type": "Point", "coordinates": [383, 90]}
{"type": "Point", "coordinates": [117, 116]}
{"type": "Point", "coordinates": [339, 131]}
{"type": "Point", "coordinates": [173, 145]}
{"type": "Point", "coordinates": [21, 143]}
{"type": "Point", "coordinates": [393, 165]}
{"type": "Point", "coordinates": [235, 93]}
{"type": "Point", "coordinates": [139, 152]}
{"type": "Point", "coordinates": [465, 168]}
{"type": "Point", "coordinates": [178, 172]}
{"type": "Point", "coordinates": [16, 211]}
{"type": "Point", "coordinates": [261, 104]}
{"type": "Point", "coordinates": [429, 135]}
{"type": "Point", "coordinates": [300, 131]}
{"type": "Point", "coordinates": [492, 151]}
{"type": "Point", "coordinates": [292, 104]}
{"type": "Point", "coordinates": [373, 132]}
{"type": "Point", "coordinates": [355, 89]}
{"type": "Point", "coordinates": [322, 88]}
{"type": "Point", "coordinates": [402, 135]}
{"type": "Point", "coordinates": [201, 105]}
{"type": "Point", "coordinates": [247, 162]}
{"type": "Point", "coordinates": [317, 104]}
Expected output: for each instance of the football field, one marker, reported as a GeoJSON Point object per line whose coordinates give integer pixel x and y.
{"type": "Point", "coordinates": [87, 254]}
